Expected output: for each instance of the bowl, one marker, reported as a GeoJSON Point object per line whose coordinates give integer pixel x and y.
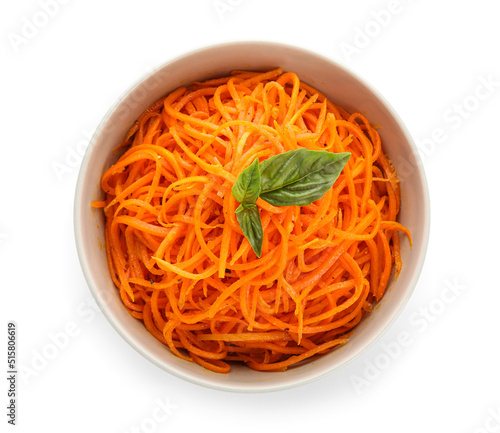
{"type": "Point", "coordinates": [338, 84]}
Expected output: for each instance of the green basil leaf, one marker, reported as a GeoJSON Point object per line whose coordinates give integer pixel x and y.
{"type": "Point", "coordinates": [299, 177]}
{"type": "Point", "coordinates": [248, 217]}
{"type": "Point", "coordinates": [246, 189]}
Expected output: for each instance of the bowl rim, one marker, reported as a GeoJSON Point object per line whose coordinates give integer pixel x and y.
{"type": "Point", "coordinates": [92, 285]}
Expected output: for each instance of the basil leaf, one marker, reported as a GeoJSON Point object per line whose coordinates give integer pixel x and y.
{"type": "Point", "coordinates": [248, 217]}
{"type": "Point", "coordinates": [246, 189]}
{"type": "Point", "coordinates": [299, 177]}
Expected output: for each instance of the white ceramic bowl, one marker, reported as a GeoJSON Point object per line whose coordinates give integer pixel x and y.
{"type": "Point", "coordinates": [339, 85]}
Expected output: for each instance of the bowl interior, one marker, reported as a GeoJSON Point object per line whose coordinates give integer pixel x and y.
{"type": "Point", "coordinates": [340, 86]}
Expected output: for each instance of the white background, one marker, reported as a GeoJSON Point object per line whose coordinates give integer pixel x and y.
{"type": "Point", "coordinates": [430, 60]}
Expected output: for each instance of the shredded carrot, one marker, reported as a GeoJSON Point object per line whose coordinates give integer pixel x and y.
{"type": "Point", "coordinates": [179, 258]}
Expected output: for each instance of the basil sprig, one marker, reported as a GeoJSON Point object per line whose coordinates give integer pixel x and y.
{"type": "Point", "coordinates": [297, 177]}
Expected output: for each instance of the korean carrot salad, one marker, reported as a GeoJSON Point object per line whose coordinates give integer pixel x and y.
{"type": "Point", "coordinates": [249, 219]}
